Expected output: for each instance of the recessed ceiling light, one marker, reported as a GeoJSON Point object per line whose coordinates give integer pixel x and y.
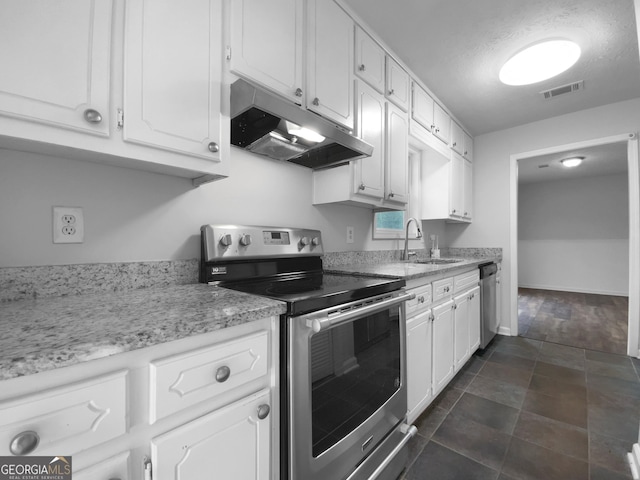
{"type": "Point", "coordinates": [539, 62]}
{"type": "Point", "coordinates": [572, 162]}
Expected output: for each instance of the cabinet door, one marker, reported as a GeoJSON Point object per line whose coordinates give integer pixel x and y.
{"type": "Point", "coordinates": [398, 84]}
{"type": "Point", "coordinates": [474, 319]}
{"type": "Point", "coordinates": [468, 146]}
{"type": "Point", "coordinates": [369, 60]}
{"type": "Point", "coordinates": [418, 362]}
{"type": "Point", "coordinates": [266, 44]}
{"type": "Point", "coordinates": [330, 62]}
{"type": "Point", "coordinates": [369, 172]}
{"type": "Point", "coordinates": [233, 442]}
{"type": "Point", "coordinates": [456, 186]}
{"type": "Point", "coordinates": [422, 107]}
{"type": "Point", "coordinates": [397, 155]}
{"type": "Point", "coordinates": [55, 64]}
{"type": "Point", "coordinates": [442, 345]}
{"type": "Point", "coordinates": [461, 330]}
{"type": "Point", "coordinates": [110, 469]}
{"type": "Point", "coordinates": [467, 195]}
{"type": "Point", "coordinates": [457, 138]}
{"type": "Point", "coordinates": [442, 122]}
{"type": "Point", "coordinates": [173, 68]}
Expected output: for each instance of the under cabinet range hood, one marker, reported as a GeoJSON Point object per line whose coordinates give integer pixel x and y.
{"type": "Point", "coordinates": [265, 124]}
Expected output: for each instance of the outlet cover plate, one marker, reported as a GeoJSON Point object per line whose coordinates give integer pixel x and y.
{"type": "Point", "coordinates": [68, 225]}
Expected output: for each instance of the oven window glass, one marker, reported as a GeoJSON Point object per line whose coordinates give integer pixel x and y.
{"type": "Point", "coordinates": [355, 369]}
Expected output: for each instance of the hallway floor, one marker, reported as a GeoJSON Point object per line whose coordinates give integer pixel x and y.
{"type": "Point", "coordinates": [594, 322]}
{"type": "Point", "coordinates": [528, 409]}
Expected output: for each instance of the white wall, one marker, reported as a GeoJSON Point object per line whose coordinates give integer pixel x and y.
{"type": "Point", "coordinates": [492, 153]}
{"type": "Point", "coordinates": [573, 235]}
{"type": "Point", "coordinates": [132, 215]}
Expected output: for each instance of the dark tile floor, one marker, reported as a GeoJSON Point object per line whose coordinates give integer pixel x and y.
{"type": "Point", "coordinates": [596, 322]}
{"type": "Point", "coordinates": [528, 409]}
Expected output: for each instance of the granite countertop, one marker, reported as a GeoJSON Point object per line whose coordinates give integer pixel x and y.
{"type": "Point", "coordinates": [44, 334]}
{"type": "Point", "coordinates": [412, 269]}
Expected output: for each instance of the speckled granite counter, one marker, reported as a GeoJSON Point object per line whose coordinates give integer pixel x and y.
{"type": "Point", "coordinates": [410, 270]}
{"type": "Point", "coordinates": [44, 334]}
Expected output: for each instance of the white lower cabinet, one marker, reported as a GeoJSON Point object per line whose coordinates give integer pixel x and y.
{"type": "Point", "coordinates": [441, 336]}
{"type": "Point", "coordinates": [232, 442]}
{"type": "Point", "coordinates": [443, 344]}
{"type": "Point", "coordinates": [114, 468]}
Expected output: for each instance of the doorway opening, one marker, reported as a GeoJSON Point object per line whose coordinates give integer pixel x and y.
{"type": "Point", "coordinates": [573, 254]}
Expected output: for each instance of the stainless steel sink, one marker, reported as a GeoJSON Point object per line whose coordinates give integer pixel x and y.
{"type": "Point", "coordinates": [439, 261]}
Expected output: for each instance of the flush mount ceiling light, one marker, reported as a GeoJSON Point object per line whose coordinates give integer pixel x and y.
{"type": "Point", "coordinates": [539, 62]}
{"type": "Point", "coordinates": [572, 162]}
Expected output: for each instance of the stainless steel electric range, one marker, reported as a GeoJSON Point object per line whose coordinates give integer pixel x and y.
{"type": "Point", "coordinates": [342, 351]}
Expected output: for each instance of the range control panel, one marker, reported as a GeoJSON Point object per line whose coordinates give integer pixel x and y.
{"type": "Point", "coordinates": [245, 241]}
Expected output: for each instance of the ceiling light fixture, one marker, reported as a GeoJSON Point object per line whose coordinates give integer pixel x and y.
{"type": "Point", "coordinates": [539, 62]}
{"type": "Point", "coordinates": [572, 162]}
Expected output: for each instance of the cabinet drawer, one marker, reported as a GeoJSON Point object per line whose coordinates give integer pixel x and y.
{"type": "Point", "coordinates": [421, 302]}
{"type": "Point", "coordinates": [180, 381]}
{"type": "Point", "coordinates": [466, 280]}
{"type": "Point", "coordinates": [442, 288]}
{"type": "Point", "coordinates": [68, 419]}
{"type": "Point", "coordinates": [113, 468]}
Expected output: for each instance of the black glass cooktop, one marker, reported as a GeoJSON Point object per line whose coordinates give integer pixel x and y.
{"type": "Point", "coordinates": [304, 293]}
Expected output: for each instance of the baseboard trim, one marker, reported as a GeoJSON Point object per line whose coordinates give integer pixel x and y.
{"type": "Point", "coordinates": [506, 331]}
{"type": "Point", "coordinates": [575, 290]}
{"type": "Point", "coordinates": [634, 461]}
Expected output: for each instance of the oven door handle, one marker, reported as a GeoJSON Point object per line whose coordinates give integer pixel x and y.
{"type": "Point", "coordinates": [409, 432]}
{"type": "Point", "coordinates": [320, 323]}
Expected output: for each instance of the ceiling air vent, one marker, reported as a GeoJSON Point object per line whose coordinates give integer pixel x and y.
{"type": "Point", "coordinates": [564, 89]}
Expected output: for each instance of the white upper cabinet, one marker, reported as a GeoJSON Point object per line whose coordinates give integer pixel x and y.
{"type": "Point", "coordinates": [398, 84]}
{"type": "Point", "coordinates": [441, 124]}
{"type": "Point", "coordinates": [370, 60]}
{"type": "Point", "coordinates": [56, 63]}
{"type": "Point", "coordinates": [422, 107]}
{"type": "Point", "coordinates": [457, 138]}
{"type": "Point", "coordinates": [369, 172]}
{"type": "Point", "coordinates": [173, 72]}
{"type": "Point", "coordinates": [266, 44]}
{"type": "Point", "coordinates": [468, 146]}
{"type": "Point", "coordinates": [397, 149]}
{"type": "Point", "coordinates": [330, 47]}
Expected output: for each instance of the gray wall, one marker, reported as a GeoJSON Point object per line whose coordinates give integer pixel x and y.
{"type": "Point", "coordinates": [573, 235]}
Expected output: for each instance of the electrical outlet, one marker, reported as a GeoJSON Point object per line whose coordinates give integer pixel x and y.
{"type": "Point", "coordinates": [68, 225]}
{"type": "Point", "coordinates": [350, 235]}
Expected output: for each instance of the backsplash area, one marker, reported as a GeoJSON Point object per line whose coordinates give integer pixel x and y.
{"type": "Point", "coordinates": [18, 283]}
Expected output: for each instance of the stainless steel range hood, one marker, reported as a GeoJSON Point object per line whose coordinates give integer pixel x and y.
{"type": "Point", "coordinates": [261, 123]}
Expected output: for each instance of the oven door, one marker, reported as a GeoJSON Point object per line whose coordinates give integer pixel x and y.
{"type": "Point", "coordinates": [346, 384]}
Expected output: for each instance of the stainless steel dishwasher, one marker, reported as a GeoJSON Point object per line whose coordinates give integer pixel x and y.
{"type": "Point", "coordinates": [488, 316]}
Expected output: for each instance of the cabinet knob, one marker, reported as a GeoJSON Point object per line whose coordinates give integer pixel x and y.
{"type": "Point", "coordinates": [437, 130]}
{"type": "Point", "coordinates": [92, 116]}
{"type": "Point", "coordinates": [391, 91]}
{"type": "Point", "coordinates": [298, 92]}
{"type": "Point", "coordinates": [316, 101]}
{"type": "Point", "coordinates": [453, 211]}
{"type": "Point", "coordinates": [361, 186]}
{"type": "Point", "coordinates": [222, 374]}
{"type": "Point", "coordinates": [362, 68]}
{"type": "Point", "coordinates": [213, 147]}
{"type": "Point", "coordinates": [24, 443]}
{"type": "Point", "coordinates": [455, 143]}
{"type": "Point", "coordinates": [465, 152]}
{"type": "Point", "coordinates": [391, 195]}
{"type": "Point", "coordinates": [433, 126]}
{"type": "Point", "coordinates": [263, 411]}
{"type": "Point", "coordinates": [421, 299]}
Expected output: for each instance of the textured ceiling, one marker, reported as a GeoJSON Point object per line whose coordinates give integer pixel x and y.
{"type": "Point", "coordinates": [610, 159]}
{"type": "Point", "coordinates": [456, 47]}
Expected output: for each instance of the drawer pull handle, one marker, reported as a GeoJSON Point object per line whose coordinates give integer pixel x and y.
{"type": "Point", "coordinates": [263, 411]}
{"type": "Point", "coordinates": [24, 443]}
{"type": "Point", "coordinates": [222, 374]}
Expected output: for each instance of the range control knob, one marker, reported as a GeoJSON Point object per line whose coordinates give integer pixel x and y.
{"type": "Point", "coordinates": [315, 241]}
{"type": "Point", "coordinates": [304, 241]}
{"type": "Point", "coordinates": [245, 240]}
{"type": "Point", "coordinates": [226, 240]}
